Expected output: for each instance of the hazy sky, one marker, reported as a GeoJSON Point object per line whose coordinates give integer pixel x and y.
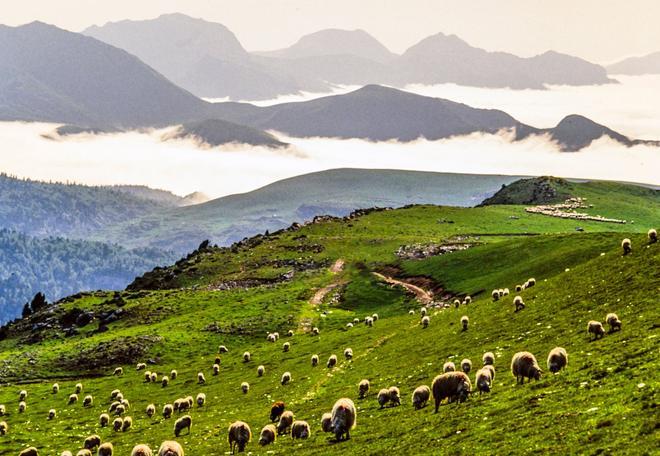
{"type": "Point", "coordinates": [598, 30]}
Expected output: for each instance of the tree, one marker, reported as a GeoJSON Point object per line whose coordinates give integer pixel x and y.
{"type": "Point", "coordinates": [38, 302]}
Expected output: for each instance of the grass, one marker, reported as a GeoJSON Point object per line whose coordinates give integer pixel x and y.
{"type": "Point", "coordinates": [605, 400]}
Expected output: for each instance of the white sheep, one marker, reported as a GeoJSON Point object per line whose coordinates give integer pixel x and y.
{"type": "Point", "coordinates": [286, 346]}
{"type": "Point", "coordinates": [200, 399]}
{"type": "Point", "coordinates": [524, 365]}
{"type": "Point", "coordinates": [300, 430]}
{"type": "Point", "coordinates": [22, 406]}
{"type": "Point", "coordinates": [216, 369]}
{"type": "Point", "coordinates": [315, 360]}
{"type": "Point", "coordinates": [260, 371]}
{"type": "Point", "coordinates": [653, 236]}
{"type": "Point", "coordinates": [140, 366]}
{"type": "Point", "coordinates": [332, 361]}
{"type": "Point", "coordinates": [464, 322]}
{"type": "Point", "coordinates": [245, 387]}
{"type": "Point", "coordinates": [88, 401]}
{"type": "Point", "coordinates": [73, 398]}
{"type": "Point", "coordinates": [118, 371]}
{"type": "Point", "coordinates": [518, 303]}
{"type": "Point", "coordinates": [164, 381]}
{"type": "Point", "coordinates": [326, 422]}
{"type": "Point", "coordinates": [141, 450]}
{"type": "Point", "coordinates": [483, 380]}
{"type": "Point", "coordinates": [612, 319]}
{"type": "Point", "coordinates": [223, 349]}
{"type": "Point", "coordinates": [56, 388]}
{"type": "Point", "coordinates": [117, 424]}
{"type": "Point", "coordinates": [126, 424]}
{"type": "Point", "coordinates": [448, 367]}
{"type": "Point", "coordinates": [239, 436]}
{"type": "Point", "coordinates": [151, 410]}
{"type": "Point", "coordinates": [78, 388]}
{"type": "Point", "coordinates": [420, 396]}
{"type": "Point", "coordinates": [453, 386]}
{"type": "Point", "coordinates": [488, 358]}
{"type": "Point", "coordinates": [595, 328]}
{"type": "Point", "coordinates": [466, 365]}
{"type": "Point", "coordinates": [315, 331]}
{"type": "Point", "coordinates": [363, 388]}
{"type": "Point", "coordinates": [185, 422]}
{"type": "Point", "coordinates": [22, 395]}
{"type": "Point", "coordinates": [286, 378]}
{"type": "Point", "coordinates": [104, 419]}
{"type": "Point", "coordinates": [348, 353]}
{"type": "Point", "coordinates": [4, 428]}
{"type": "Point", "coordinates": [174, 374]}
{"type": "Point", "coordinates": [268, 435]}
{"type": "Point", "coordinates": [246, 357]}
{"type": "Point", "coordinates": [343, 418]}
{"type": "Point", "coordinates": [426, 320]}
{"type": "Point", "coordinates": [626, 245]}
{"type": "Point", "coordinates": [168, 409]}
{"type": "Point", "coordinates": [557, 359]}
{"type": "Point", "coordinates": [52, 413]}
{"type": "Point", "coordinates": [170, 448]}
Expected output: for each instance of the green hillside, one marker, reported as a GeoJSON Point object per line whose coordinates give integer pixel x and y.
{"type": "Point", "coordinates": [321, 275]}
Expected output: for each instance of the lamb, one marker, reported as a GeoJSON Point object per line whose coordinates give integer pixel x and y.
{"type": "Point", "coordinates": [286, 346]}
{"type": "Point", "coordinates": [151, 410]}
{"type": "Point", "coordinates": [22, 406]}
{"type": "Point", "coordinates": [496, 295]}
{"type": "Point", "coordinates": [421, 396]}
{"type": "Point", "coordinates": [653, 236]}
{"type": "Point", "coordinates": [343, 418]}
{"type": "Point", "coordinates": [466, 365]}
{"type": "Point", "coordinates": [332, 361]}
{"type": "Point", "coordinates": [246, 357]}
{"type": "Point", "coordinates": [117, 424]}
{"type": "Point", "coordinates": [315, 331]}
{"type": "Point", "coordinates": [79, 388]}
{"type": "Point", "coordinates": [140, 366]}
{"type": "Point", "coordinates": [315, 360]}
{"type": "Point", "coordinates": [300, 430]}
{"type": "Point", "coordinates": [52, 413]}
{"type": "Point", "coordinates": [200, 399]}
{"type": "Point", "coordinates": [483, 380]}
{"type": "Point", "coordinates": [464, 321]}
{"type": "Point", "coordinates": [268, 435]}
{"type": "Point", "coordinates": [92, 442]}
{"type": "Point", "coordinates": [451, 386]}
{"type": "Point", "coordinates": [260, 371]}
{"type": "Point", "coordinates": [170, 448]}
{"type": "Point", "coordinates": [595, 328]}
{"type": "Point", "coordinates": [174, 374]}
{"type": "Point", "coordinates": [488, 358]}
{"type": "Point", "coordinates": [626, 245]}
{"type": "Point", "coordinates": [223, 349]}
{"type": "Point", "coordinates": [126, 424]}
{"type": "Point", "coordinates": [22, 395]}
{"type": "Point", "coordinates": [141, 450]}
{"type": "Point", "coordinates": [185, 422]}
{"type": "Point", "coordinates": [56, 388]}
{"type": "Point", "coordinates": [104, 419]}
{"type": "Point", "coordinates": [200, 378]}
{"type": "Point", "coordinates": [518, 302]}
{"type": "Point", "coordinates": [32, 451]}
{"type": "Point", "coordinates": [425, 321]}
{"type": "Point", "coordinates": [164, 381]}
{"type": "Point", "coordinates": [239, 436]}
{"type": "Point", "coordinates": [326, 422]}
{"type": "Point", "coordinates": [363, 388]}
{"type": "Point", "coordinates": [612, 319]}
{"type": "Point", "coordinates": [276, 411]}
{"type": "Point", "coordinates": [286, 378]}
{"type": "Point", "coordinates": [245, 387]}
{"type": "Point", "coordinates": [348, 353]}
{"type": "Point", "coordinates": [88, 401]}
{"type": "Point", "coordinates": [119, 371]}
{"type": "Point", "coordinates": [168, 409]}
{"type": "Point", "coordinates": [448, 367]}
{"type": "Point", "coordinates": [524, 365]}
{"type": "Point", "coordinates": [557, 359]}
{"type": "Point", "coordinates": [394, 395]}
{"type": "Point", "coordinates": [286, 420]}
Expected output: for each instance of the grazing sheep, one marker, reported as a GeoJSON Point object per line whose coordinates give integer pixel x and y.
{"type": "Point", "coordinates": [411, 312]}
{"type": "Point", "coordinates": [356, 321]}
{"type": "Point", "coordinates": [395, 395]}
{"type": "Point", "coordinates": [286, 346]}
{"type": "Point", "coordinates": [2, 410]}
{"type": "Point", "coordinates": [383, 397]}
{"type": "Point", "coordinates": [506, 292]}
{"type": "Point", "coordinates": [595, 328]}
{"type": "Point", "coordinates": [626, 245]}
{"type": "Point", "coordinates": [468, 299]}
{"type": "Point", "coordinates": [216, 369]}
{"type": "Point", "coordinates": [113, 406]}
{"type": "Point", "coordinates": [349, 325]}
{"type": "Point", "coordinates": [315, 360]}
{"type": "Point", "coordinates": [200, 378]}
{"type": "Point", "coordinates": [276, 411]}
{"type": "Point", "coordinates": [518, 302]}
{"type": "Point", "coordinates": [286, 378]}
{"type": "Point", "coordinates": [246, 357]}
{"type": "Point", "coordinates": [290, 333]}
{"type": "Point", "coordinates": [466, 365]}
{"type": "Point", "coordinates": [531, 282]}
{"type": "Point", "coordinates": [332, 361]}
{"type": "Point", "coordinates": [147, 376]}
{"type": "Point", "coordinates": [483, 380]}
{"type": "Point", "coordinates": [277, 335]}
{"type": "Point", "coordinates": [369, 321]}
{"type": "Point", "coordinates": [271, 337]}
{"type": "Point", "coordinates": [375, 317]}
{"type": "Point", "coordinates": [32, 451]}
{"type": "Point", "coordinates": [326, 422]}
{"type": "Point", "coordinates": [348, 353]}
{"type": "Point", "coordinates": [88, 401]}
{"type": "Point", "coordinates": [56, 388]}
{"type": "Point", "coordinates": [79, 388]}
{"type": "Point", "coordinates": [164, 381]}
{"type": "Point", "coordinates": [84, 452]}
{"type": "Point", "coordinates": [519, 288]}
{"type": "Point", "coordinates": [245, 387]}
{"type": "Point", "coordinates": [653, 236]}
{"type": "Point", "coordinates": [22, 406]}
{"type": "Point", "coordinates": [315, 331]}
{"type": "Point", "coordinates": [174, 374]}
{"type": "Point", "coordinates": [557, 359]}
{"type": "Point", "coordinates": [300, 430]}
{"type": "Point", "coordinates": [488, 358]}
{"type": "Point", "coordinates": [491, 369]}
{"type": "Point", "coordinates": [464, 321]}
{"type": "Point", "coordinates": [500, 292]}
{"type": "Point", "coordinates": [239, 436]}
{"type": "Point", "coordinates": [422, 311]}
{"type": "Point", "coordinates": [119, 371]}
{"type": "Point", "coordinates": [223, 349]}
{"type": "Point", "coordinates": [126, 424]}
{"type": "Point", "coordinates": [343, 418]}
{"type": "Point", "coordinates": [363, 388]}
{"type": "Point", "coordinates": [125, 403]}
{"type": "Point", "coordinates": [425, 321]}
{"type": "Point", "coordinates": [268, 435]}
{"type": "Point", "coordinates": [117, 424]}
{"type": "Point", "coordinates": [4, 428]}
{"type": "Point", "coordinates": [104, 419]}
{"type": "Point", "coordinates": [22, 395]}
{"type": "Point", "coordinates": [114, 394]}
{"type": "Point", "coordinates": [260, 371]}
{"type": "Point", "coordinates": [457, 303]}
{"type": "Point", "coordinates": [151, 410]}
{"type": "Point", "coordinates": [495, 294]}
{"type": "Point", "coordinates": [154, 377]}
{"type": "Point", "coordinates": [141, 450]}
{"type": "Point", "coordinates": [524, 365]}
{"type": "Point", "coordinates": [140, 366]}
{"type": "Point", "coordinates": [448, 367]}
{"type": "Point", "coordinates": [52, 413]}
{"type": "Point", "coordinates": [286, 420]}
{"type": "Point", "coordinates": [420, 396]}
{"type": "Point", "coordinates": [612, 319]}
{"type": "Point", "coordinates": [168, 409]}
{"type": "Point", "coordinates": [453, 386]}
{"type": "Point", "coordinates": [170, 448]}
{"type": "Point", "coordinates": [182, 423]}
{"type": "Point", "coordinates": [200, 399]}
{"type": "Point", "coordinates": [92, 442]}
{"type": "Point", "coordinates": [120, 410]}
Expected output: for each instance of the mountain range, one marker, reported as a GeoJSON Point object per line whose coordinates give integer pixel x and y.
{"type": "Point", "coordinates": [646, 64]}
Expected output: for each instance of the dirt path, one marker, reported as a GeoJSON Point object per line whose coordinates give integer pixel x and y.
{"type": "Point", "coordinates": [423, 296]}
{"type": "Point", "coordinates": [338, 266]}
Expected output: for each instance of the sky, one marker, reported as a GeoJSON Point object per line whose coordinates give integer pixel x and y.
{"type": "Point", "coordinates": [602, 31]}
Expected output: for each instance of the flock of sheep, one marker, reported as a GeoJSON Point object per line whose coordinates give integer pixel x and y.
{"type": "Point", "coordinates": [452, 385]}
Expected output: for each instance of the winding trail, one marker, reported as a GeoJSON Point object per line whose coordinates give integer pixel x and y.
{"type": "Point", "coordinates": [423, 296]}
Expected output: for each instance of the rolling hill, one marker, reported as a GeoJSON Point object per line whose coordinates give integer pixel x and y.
{"type": "Point", "coordinates": [322, 275]}
{"type": "Point", "coordinates": [635, 66]}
